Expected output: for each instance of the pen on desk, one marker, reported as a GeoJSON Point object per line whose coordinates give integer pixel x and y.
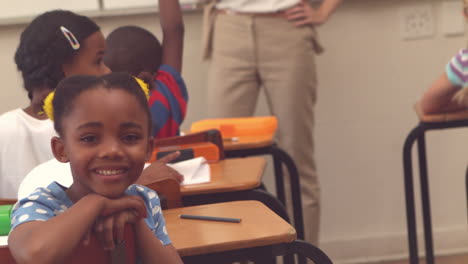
{"type": "Point", "coordinates": [211, 218]}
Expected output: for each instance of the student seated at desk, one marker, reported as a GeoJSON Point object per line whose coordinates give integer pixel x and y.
{"type": "Point", "coordinates": [449, 93]}
{"type": "Point", "coordinates": [104, 132]}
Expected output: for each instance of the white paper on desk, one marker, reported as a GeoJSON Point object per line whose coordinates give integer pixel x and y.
{"type": "Point", "coordinates": [194, 170]}
{"type": "Point", "coordinates": [3, 240]}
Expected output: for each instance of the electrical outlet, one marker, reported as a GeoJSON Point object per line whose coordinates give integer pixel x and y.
{"type": "Point", "coordinates": [453, 23]}
{"type": "Point", "coordinates": [416, 22]}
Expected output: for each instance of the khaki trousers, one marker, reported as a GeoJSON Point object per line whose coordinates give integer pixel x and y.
{"type": "Point", "coordinates": [253, 52]}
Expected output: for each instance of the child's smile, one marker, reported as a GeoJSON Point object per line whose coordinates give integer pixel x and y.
{"type": "Point", "coordinates": [106, 140]}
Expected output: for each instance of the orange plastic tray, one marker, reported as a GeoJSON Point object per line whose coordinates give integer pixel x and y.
{"type": "Point", "coordinates": [239, 127]}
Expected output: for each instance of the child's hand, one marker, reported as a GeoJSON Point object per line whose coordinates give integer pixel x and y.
{"type": "Point", "coordinates": [159, 169]}
{"type": "Point", "coordinates": [110, 229]}
{"type": "Point", "coordinates": [126, 202]}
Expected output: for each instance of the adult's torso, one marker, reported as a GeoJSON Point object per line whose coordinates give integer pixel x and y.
{"type": "Point", "coordinates": [256, 6]}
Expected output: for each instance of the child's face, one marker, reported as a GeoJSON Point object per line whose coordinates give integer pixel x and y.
{"type": "Point", "coordinates": [89, 59]}
{"type": "Point", "coordinates": [106, 140]}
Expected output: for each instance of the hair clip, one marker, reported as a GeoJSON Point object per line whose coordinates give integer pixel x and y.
{"type": "Point", "coordinates": [70, 37]}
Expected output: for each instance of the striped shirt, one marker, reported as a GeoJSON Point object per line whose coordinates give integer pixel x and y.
{"type": "Point", "coordinates": [457, 69]}
{"type": "Point", "coordinates": [168, 102]}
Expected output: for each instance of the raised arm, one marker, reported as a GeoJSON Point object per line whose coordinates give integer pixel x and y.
{"type": "Point", "coordinates": [172, 26]}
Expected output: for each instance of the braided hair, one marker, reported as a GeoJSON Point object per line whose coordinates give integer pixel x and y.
{"type": "Point", "coordinates": [44, 48]}
{"type": "Point", "coordinates": [71, 87]}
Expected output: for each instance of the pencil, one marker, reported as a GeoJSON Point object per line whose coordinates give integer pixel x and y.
{"type": "Point", "coordinates": [211, 218]}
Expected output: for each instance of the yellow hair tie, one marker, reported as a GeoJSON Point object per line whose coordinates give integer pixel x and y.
{"type": "Point", "coordinates": [144, 87]}
{"type": "Point", "coordinates": [48, 107]}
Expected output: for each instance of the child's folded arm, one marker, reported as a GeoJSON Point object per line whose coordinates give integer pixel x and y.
{"type": "Point", "coordinates": [439, 97]}
{"type": "Point", "coordinates": [43, 241]}
{"type": "Point", "coordinates": [150, 249]}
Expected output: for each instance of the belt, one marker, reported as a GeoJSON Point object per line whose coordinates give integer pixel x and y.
{"type": "Point", "coordinates": [232, 12]}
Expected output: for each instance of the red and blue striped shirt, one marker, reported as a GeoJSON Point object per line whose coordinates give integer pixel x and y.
{"type": "Point", "coordinates": [168, 102]}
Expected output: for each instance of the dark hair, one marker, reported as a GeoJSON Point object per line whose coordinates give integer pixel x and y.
{"type": "Point", "coordinates": [71, 87]}
{"type": "Point", "coordinates": [44, 49]}
{"type": "Point", "coordinates": [132, 49]}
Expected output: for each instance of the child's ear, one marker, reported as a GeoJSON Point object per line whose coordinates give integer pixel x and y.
{"type": "Point", "coordinates": [149, 149]}
{"type": "Point", "coordinates": [58, 149]}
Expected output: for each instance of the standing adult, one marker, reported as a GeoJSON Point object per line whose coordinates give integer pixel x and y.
{"type": "Point", "coordinates": [270, 45]}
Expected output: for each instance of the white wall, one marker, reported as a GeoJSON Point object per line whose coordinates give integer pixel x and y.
{"type": "Point", "coordinates": [369, 81]}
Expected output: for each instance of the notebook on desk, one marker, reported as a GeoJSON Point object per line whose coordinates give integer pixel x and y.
{"type": "Point", "coordinates": [194, 170]}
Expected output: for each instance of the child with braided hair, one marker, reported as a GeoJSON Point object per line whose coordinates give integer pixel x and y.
{"type": "Point", "coordinates": [55, 45]}
{"type": "Point", "coordinates": [104, 132]}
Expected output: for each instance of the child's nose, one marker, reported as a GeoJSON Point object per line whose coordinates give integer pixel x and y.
{"type": "Point", "coordinates": [112, 150]}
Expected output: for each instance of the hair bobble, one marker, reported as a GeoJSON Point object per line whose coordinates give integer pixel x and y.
{"type": "Point", "coordinates": [144, 87]}
{"type": "Point", "coordinates": [70, 37]}
{"type": "Point", "coordinates": [47, 107]}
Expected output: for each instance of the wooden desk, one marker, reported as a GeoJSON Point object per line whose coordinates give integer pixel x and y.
{"type": "Point", "coordinates": [230, 175]}
{"type": "Point", "coordinates": [261, 233]}
{"type": "Point", "coordinates": [442, 117]}
{"type": "Point", "coordinates": [417, 136]}
{"type": "Point", "coordinates": [259, 227]}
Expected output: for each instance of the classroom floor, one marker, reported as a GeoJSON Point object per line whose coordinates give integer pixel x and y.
{"type": "Point", "coordinates": [454, 259]}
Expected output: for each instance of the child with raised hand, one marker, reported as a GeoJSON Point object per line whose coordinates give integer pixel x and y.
{"type": "Point", "coordinates": [137, 51]}
{"type": "Point", "coordinates": [104, 133]}
{"type": "Point", "coordinates": [449, 93]}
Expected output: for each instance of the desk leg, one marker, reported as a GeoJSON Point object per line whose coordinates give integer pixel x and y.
{"type": "Point", "coordinates": [426, 203]}
{"type": "Point", "coordinates": [263, 253]}
{"type": "Point", "coordinates": [280, 157]}
{"type": "Point", "coordinates": [409, 194]}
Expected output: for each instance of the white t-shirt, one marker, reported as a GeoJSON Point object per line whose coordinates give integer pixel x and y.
{"type": "Point", "coordinates": [256, 6]}
{"type": "Point", "coordinates": [24, 143]}
{"type": "Point", "coordinates": [44, 174]}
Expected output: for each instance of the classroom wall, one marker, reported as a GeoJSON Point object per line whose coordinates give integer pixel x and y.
{"type": "Point", "coordinates": [369, 80]}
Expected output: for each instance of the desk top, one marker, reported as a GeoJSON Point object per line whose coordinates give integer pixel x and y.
{"type": "Point", "coordinates": [230, 175]}
{"type": "Point", "coordinates": [442, 117]}
{"type": "Point", "coordinates": [259, 227]}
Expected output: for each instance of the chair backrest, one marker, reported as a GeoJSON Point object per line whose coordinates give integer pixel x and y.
{"type": "Point", "coordinates": [7, 201]}
{"type": "Point", "coordinates": [168, 190]}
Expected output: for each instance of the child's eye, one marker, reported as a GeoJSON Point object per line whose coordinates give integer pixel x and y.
{"type": "Point", "coordinates": [88, 139]}
{"type": "Point", "coordinates": [130, 138]}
